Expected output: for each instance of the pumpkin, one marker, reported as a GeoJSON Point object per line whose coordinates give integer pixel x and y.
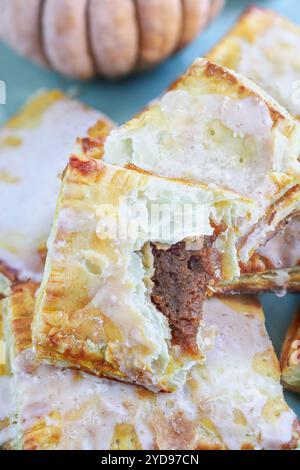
{"type": "Point", "coordinates": [111, 38]}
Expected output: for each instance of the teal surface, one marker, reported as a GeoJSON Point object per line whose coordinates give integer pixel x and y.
{"type": "Point", "coordinates": [122, 99]}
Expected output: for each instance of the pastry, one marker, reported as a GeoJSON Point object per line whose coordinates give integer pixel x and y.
{"type": "Point", "coordinates": [290, 357]}
{"type": "Point", "coordinates": [34, 149]}
{"type": "Point", "coordinates": [216, 127]}
{"type": "Point", "coordinates": [130, 258]}
{"type": "Point", "coordinates": [264, 46]}
{"type": "Point", "coordinates": [234, 402]}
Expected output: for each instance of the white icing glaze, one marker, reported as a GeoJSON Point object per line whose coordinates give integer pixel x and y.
{"type": "Point", "coordinates": [90, 408]}
{"type": "Point", "coordinates": [283, 250]}
{"type": "Point", "coordinates": [262, 230]}
{"type": "Point", "coordinates": [232, 135]}
{"type": "Point", "coordinates": [115, 274]}
{"type": "Point", "coordinates": [233, 383]}
{"type": "Point", "coordinates": [273, 62]}
{"type": "Point", "coordinates": [8, 432]}
{"type": "Point", "coordinates": [34, 166]}
{"type": "Point", "coordinates": [240, 162]}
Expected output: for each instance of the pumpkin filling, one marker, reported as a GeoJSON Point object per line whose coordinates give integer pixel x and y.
{"type": "Point", "coordinates": [180, 281]}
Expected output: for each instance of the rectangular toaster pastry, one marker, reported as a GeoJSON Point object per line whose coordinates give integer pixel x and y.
{"type": "Point", "coordinates": [34, 148]}
{"type": "Point", "coordinates": [130, 258]}
{"type": "Point", "coordinates": [216, 127]}
{"type": "Point", "coordinates": [7, 427]}
{"type": "Point", "coordinates": [234, 402]}
{"type": "Point", "coordinates": [265, 47]}
{"type": "Point", "coordinates": [290, 357]}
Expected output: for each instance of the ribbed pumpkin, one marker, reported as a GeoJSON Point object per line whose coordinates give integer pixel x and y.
{"type": "Point", "coordinates": [111, 38]}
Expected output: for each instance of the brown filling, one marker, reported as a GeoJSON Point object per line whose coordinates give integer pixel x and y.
{"type": "Point", "coordinates": [180, 279]}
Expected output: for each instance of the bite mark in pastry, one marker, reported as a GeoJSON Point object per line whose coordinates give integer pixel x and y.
{"type": "Point", "coordinates": [124, 284]}
{"type": "Point", "coordinates": [216, 127]}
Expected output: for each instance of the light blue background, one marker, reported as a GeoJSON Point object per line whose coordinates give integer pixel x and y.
{"type": "Point", "coordinates": [122, 99]}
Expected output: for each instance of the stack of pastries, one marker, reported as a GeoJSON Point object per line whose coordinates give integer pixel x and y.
{"type": "Point", "coordinates": [129, 278]}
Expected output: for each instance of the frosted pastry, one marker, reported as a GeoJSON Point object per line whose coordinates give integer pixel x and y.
{"type": "Point", "coordinates": [264, 46]}
{"type": "Point", "coordinates": [234, 402]}
{"type": "Point", "coordinates": [34, 150]}
{"type": "Point", "coordinates": [130, 258]}
{"type": "Point", "coordinates": [216, 127]}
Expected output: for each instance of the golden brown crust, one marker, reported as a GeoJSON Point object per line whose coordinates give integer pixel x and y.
{"type": "Point", "coordinates": [292, 335]}
{"type": "Point", "coordinates": [227, 82]}
{"type": "Point", "coordinates": [260, 262]}
{"type": "Point", "coordinates": [86, 168]}
{"type": "Point", "coordinates": [7, 446]}
{"type": "Point", "coordinates": [93, 144]}
{"type": "Point", "coordinates": [246, 305]}
{"type": "Point", "coordinates": [22, 308]}
{"type": "Point", "coordinates": [219, 74]}
{"type": "Point", "coordinates": [41, 436]}
{"type": "Point", "coordinates": [48, 124]}
{"type": "Point", "coordinates": [294, 443]}
{"type": "Point", "coordinates": [262, 18]}
{"type": "Point", "coordinates": [256, 264]}
{"type": "Point", "coordinates": [280, 280]}
{"type": "Point", "coordinates": [290, 356]}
